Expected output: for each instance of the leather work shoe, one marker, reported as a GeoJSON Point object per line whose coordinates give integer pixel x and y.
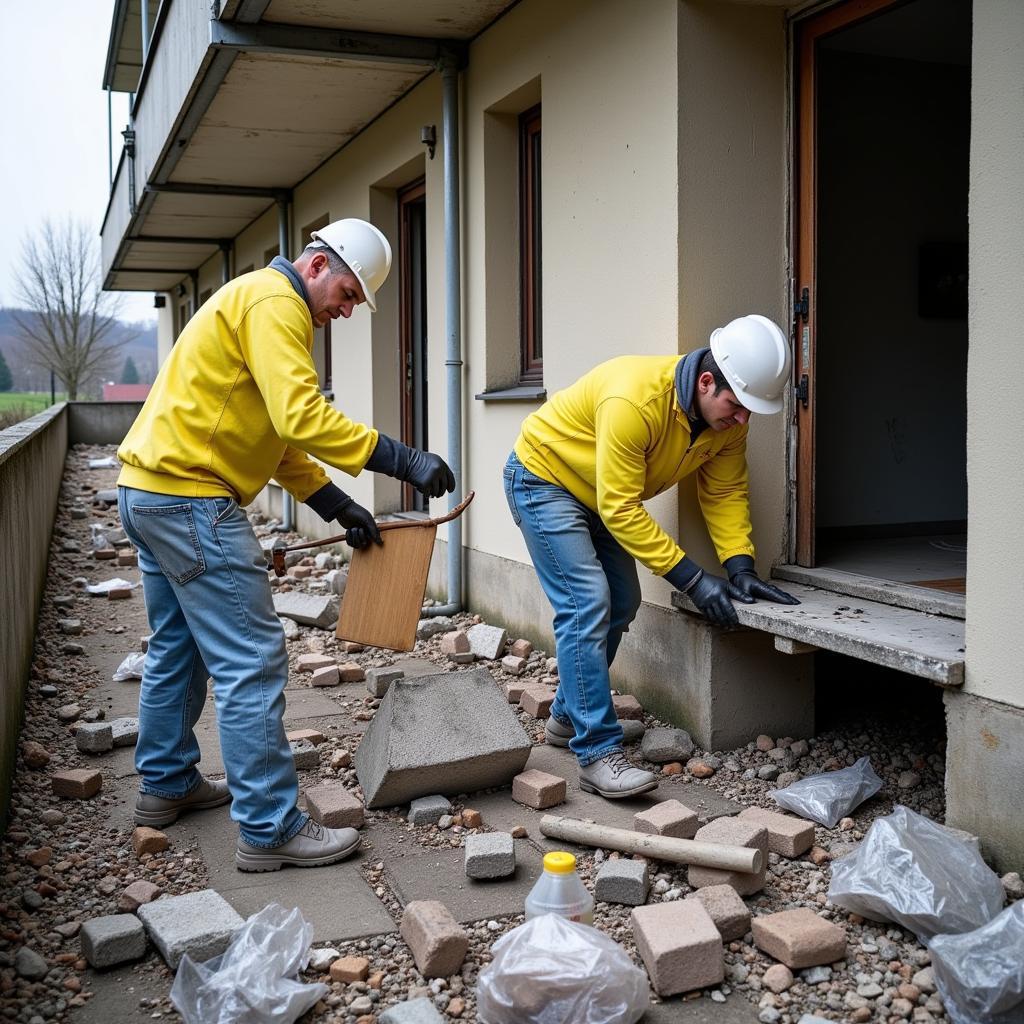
{"type": "Point", "coordinates": [157, 811]}
{"type": "Point", "coordinates": [556, 734]}
{"type": "Point", "coordinates": [311, 847]}
{"type": "Point", "coordinates": [613, 777]}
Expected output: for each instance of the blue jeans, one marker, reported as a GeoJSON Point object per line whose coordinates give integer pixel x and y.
{"type": "Point", "coordinates": [592, 585]}
{"type": "Point", "coordinates": [211, 614]}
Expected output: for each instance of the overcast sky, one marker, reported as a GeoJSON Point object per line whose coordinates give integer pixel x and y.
{"type": "Point", "coordinates": [53, 120]}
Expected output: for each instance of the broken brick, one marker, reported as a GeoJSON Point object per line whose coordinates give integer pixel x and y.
{"type": "Point", "coordinates": [799, 938]}
{"type": "Point", "coordinates": [76, 783]}
{"type": "Point", "coordinates": [437, 941]}
{"type": "Point", "coordinates": [537, 789]}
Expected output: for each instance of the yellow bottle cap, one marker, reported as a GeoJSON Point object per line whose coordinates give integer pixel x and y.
{"type": "Point", "coordinates": [559, 862]}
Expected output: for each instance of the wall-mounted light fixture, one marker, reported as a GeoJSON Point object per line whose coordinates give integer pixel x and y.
{"type": "Point", "coordinates": [428, 136]}
{"type": "Point", "coordinates": [159, 301]}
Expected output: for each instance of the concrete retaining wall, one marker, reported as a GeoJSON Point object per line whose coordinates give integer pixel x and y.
{"type": "Point", "coordinates": [32, 455]}
{"type": "Point", "coordinates": [31, 465]}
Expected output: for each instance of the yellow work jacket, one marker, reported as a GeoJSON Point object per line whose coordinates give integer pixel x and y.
{"type": "Point", "coordinates": [618, 437]}
{"type": "Point", "coordinates": [238, 402]}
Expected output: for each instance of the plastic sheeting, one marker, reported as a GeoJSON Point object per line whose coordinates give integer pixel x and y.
{"type": "Point", "coordinates": [980, 974]}
{"type": "Point", "coordinates": [828, 797]}
{"type": "Point", "coordinates": [254, 981]}
{"type": "Point", "coordinates": [911, 870]}
{"type": "Point", "coordinates": [554, 971]}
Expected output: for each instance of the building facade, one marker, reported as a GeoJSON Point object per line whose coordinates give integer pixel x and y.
{"type": "Point", "coordinates": [564, 183]}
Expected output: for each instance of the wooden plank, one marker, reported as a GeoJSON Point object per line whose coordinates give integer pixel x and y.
{"type": "Point", "coordinates": [386, 585]}
{"type": "Point", "coordinates": [922, 645]}
{"type": "Point", "coordinates": [954, 584]}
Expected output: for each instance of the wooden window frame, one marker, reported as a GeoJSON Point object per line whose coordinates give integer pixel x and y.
{"type": "Point", "coordinates": [530, 200]}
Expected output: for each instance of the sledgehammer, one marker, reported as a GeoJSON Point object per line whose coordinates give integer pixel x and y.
{"type": "Point", "coordinates": [679, 851]}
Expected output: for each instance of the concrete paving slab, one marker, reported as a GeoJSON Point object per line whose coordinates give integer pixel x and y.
{"type": "Point", "coordinates": [116, 995]}
{"type": "Point", "coordinates": [440, 875]}
{"type": "Point", "coordinates": [335, 899]}
{"type": "Point", "coordinates": [500, 811]}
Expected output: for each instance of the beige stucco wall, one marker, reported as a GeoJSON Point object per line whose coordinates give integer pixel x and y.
{"type": "Point", "coordinates": [995, 378]}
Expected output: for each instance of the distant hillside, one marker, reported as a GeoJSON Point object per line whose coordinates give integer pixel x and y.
{"type": "Point", "coordinates": [141, 347]}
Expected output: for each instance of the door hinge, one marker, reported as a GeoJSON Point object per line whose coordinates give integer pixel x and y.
{"type": "Point", "coordinates": [802, 306]}
{"type": "Point", "coordinates": [802, 390]}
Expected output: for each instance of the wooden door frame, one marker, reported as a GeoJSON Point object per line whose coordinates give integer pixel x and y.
{"type": "Point", "coordinates": [808, 31]}
{"type": "Point", "coordinates": [411, 194]}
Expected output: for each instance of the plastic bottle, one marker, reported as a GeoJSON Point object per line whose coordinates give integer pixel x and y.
{"type": "Point", "coordinates": [560, 891]}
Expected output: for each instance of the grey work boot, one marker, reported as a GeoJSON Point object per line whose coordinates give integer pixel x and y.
{"type": "Point", "coordinates": [613, 777]}
{"type": "Point", "coordinates": [311, 847]}
{"type": "Point", "coordinates": [157, 811]}
{"type": "Point", "coordinates": [556, 734]}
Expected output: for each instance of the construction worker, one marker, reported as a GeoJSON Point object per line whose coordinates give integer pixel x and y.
{"type": "Point", "coordinates": [236, 403]}
{"type": "Point", "coordinates": [581, 469]}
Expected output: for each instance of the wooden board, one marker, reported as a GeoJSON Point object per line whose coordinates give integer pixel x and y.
{"type": "Point", "coordinates": [954, 584]}
{"type": "Point", "coordinates": [386, 585]}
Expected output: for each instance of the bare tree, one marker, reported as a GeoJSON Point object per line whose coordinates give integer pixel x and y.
{"type": "Point", "coordinates": [67, 321]}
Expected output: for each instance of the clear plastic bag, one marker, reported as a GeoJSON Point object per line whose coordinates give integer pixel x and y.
{"type": "Point", "coordinates": [108, 585]}
{"type": "Point", "coordinates": [130, 668]}
{"type": "Point", "coordinates": [827, 798]}
{"type": "Point", "coordinates": [911, 870]}
{"type": "Point", "coordinates": [980, 974]}
{"type": "Point", "coordinates": [254, 981]}
{"type": "Point", "coordinates": [554, 971]}
{"type": "Point", "coordinates": [106, 463]}
{"type": "Point", "coordinates": [98, 537]}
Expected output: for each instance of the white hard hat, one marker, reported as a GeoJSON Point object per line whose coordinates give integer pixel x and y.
{"type": "Point", "coordinates": [753, 355]}
{"type": "Point", "coordinates": [364, 248]}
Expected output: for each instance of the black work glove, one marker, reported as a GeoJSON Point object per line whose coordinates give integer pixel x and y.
{"type": "Point", "coordinates": [360, 527]}
{"type": "Point", "coordinates": [742, 576]}
{"type": "Point", "coordinates": [714, 596]}
{"type": "Point", "coordinates": [428, 473]}
{"type": "Point", "coordinates": [331, 502]}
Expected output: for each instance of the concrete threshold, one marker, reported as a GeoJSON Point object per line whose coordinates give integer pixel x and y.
{"type": "Point", "coordinates": [872, 588]}
{"type": "Point", "coordinates": [915, 642]}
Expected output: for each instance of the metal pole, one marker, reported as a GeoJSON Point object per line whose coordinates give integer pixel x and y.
{"type": "Point", "coordinates": [110, 138]}
{"type": "Point", "coordinates": [453, 323]}
{"type": "Point", "coordinates": [225, 272]}
{"type": "Point", "coordinates": [144, 4]}
{"type": "Point", "coordinates": [287, 505]}
{"type": "Point", "coordinates": [53, 387]}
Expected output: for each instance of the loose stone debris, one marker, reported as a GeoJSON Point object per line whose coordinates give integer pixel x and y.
{"type": "Point", "coordinates": [68, 861]}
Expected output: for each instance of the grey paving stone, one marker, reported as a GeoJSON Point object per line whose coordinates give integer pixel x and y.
{"type": "Point", "coordinates": [379, 680]}
{"type": "Point", "coordinates": [125, 732]}
{"type": "Point", "coordinates": [114, 939]}
{"type": "Point", "coordinates": [306, 756]}
{"type": "Point", "coordinates": [490, 855]}
{"type": "Point", "coordinates": [413, 1011]}
{"type": "Point", "coordinates": [198, 923]}
{"type": "Point", "coordinates": [448, 733]}
{"type": "Point", "coordinates": [487, 641]}
{"type": "Point", "coordinates": [623, 881]}
{"type": "Point", "coordinates": [426, 628]}
{"type": "Point", "coordinates": [308, 609]}
{"type": "Point", "coordinates": [94, 738]}
{"type": "Point", "coordinates": [428, 810]}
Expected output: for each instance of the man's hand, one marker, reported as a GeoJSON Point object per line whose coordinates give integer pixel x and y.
{"type": "Point", "coordinates": [429, 473]}
{"type": "Point", "coordinates": [756, 588]}
{"type": "Point", "coordinates": [712, 594]}
{"type": "Point", "coordinates": [360, 526]}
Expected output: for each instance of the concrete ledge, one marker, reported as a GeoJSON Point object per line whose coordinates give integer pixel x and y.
{"type": "Point", "coordinates": [984, 768]}
{"type": "Point", "coordinates": [100, 422]}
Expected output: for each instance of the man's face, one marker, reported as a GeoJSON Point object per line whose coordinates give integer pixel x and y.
{"type": "Point", "coordinates": [720, 411]}
{"type": "Point", "coordinates": [331, 295]}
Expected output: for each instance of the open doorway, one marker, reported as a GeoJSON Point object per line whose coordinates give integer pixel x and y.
{"type": "Point", "coordinates": [881, 345]}
{"type": "Point", "coordinates": [412, 262]}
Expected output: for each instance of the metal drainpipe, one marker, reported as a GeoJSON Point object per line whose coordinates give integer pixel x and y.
{"type": "Point", "coordinates": [110, 139]}
{"type": "Point", "coordinates": [453, 321]}
{"type": "Point", "coordinates": [287, 503]}
{"type": "Point", "coordinates": [144, 11]}
{"type": "Point", "coordinates": [225, 267]}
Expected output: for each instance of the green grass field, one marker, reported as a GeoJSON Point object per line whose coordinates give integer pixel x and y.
{"type": "Point", "coordinates": [17, 405]}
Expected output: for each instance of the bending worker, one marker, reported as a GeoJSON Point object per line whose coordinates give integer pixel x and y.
{"type": "Point", "coordinates": [584, 464]}
{"type": "Point", "coordinates": [236, 403]}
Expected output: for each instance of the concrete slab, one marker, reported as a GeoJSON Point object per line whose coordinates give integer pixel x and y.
{"type": "Point", "coordinates": [440, 875]}
{"type": "Point", "coordinates": [908, 641]}
{"type": "Point", "coordinates": [336, 899]}
{"type": "Point", "coordinates": [501, 812]}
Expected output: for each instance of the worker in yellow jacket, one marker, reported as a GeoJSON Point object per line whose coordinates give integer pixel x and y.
{"type": "Point", "coordinates": [236, 403]}
{"type": "Point", "coordinates": [582, 467]}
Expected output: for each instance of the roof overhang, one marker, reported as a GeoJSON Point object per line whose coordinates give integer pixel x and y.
{"type": "Point", "coordinates": [123, 68]}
